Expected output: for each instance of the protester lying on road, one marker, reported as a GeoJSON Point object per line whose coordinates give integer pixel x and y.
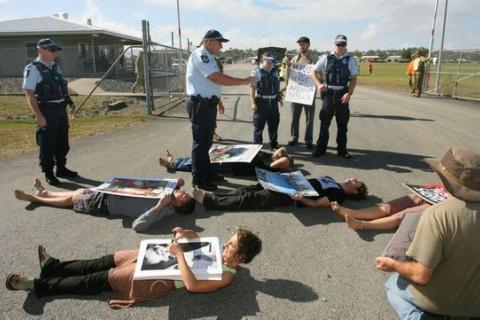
{"type": "Point", "coordinates": [279, 161]}
{"type": "Point", "coordinates": [256, 197]}
{"type": "Point", "coordinates": [115, 272]}
{"type": "Point", "coordinates": [145, 211]}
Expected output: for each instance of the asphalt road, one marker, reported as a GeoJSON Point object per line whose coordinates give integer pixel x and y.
{"type": "Point", "coordinates": [312, 265]}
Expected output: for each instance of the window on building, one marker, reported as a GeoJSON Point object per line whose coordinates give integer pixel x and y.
{"type": "Point", "coordinates": [82, 50]}
{"type": "Point", "coordinates": [31, 50]}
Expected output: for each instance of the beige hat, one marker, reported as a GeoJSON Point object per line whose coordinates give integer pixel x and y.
{"type": "Point", "coordinates": [459, 170]}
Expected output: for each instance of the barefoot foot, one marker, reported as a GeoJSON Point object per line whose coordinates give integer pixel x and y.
{"type": "Point", "coordinates": [37, 184]}
{"type": "Point", "coordinates": [198, 195]}
{"type": "Point", "coordinates": [43, 256]}
{"type": "Point", "coordinates": [354, 223]}
{"type": "Point", "coordinates": [338, 209]}
{"type": "Point", "coordinates": [20, 195]}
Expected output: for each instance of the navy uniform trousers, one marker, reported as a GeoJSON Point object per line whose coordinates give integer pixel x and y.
{"type": "Point", "coordinates": [267, 113]}
{"type": "Point", "coordinates": [332, 106]}
{"type": "Point", "coordinates": [246, 198]}
{"type": "Point", "coordinates": [203, 116]}
{"type": "Point", "coordinates": [53, 139]}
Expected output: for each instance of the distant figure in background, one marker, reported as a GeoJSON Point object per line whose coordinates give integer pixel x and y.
{"type": "Point", "coordinates": [419, 72]}
{"type": "Point", "coordinates": [304, 56]}
{"type": "Point", "coordinates": [265, 98]}
{"type": "Point", "coordinates": [370, 67]}
{"type": "Point", "coordinates": [140, 80]}
{"type": "Point", "coordinates": [410, 74]}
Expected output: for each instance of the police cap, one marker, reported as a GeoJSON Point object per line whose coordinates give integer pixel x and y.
{"type": "Point", "coordinates": [303, 39]}
{"type": "Point", "coordinates": [48, 44]}
{"type": "Point", "coordinates": [340, 39]}
{"type": "Point", "coordinates": [268, 56]}
{"type": "Point", "coordinates": [214, 35]}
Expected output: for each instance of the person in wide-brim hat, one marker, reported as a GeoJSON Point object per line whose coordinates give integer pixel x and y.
{"type": "Point", "coordinates": [459, 170]}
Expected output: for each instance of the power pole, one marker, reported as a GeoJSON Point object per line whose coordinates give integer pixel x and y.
{"type": "Point", "coordinates": [439, 66]}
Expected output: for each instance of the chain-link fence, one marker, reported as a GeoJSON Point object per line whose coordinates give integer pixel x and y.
{"type": "Point", "coordinates": [459, 76]}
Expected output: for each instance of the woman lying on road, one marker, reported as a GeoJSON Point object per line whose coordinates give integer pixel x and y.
{"type": "Point", "coordinates": [115, 272]}
{"type": "Point", "coordinates": [279, 161]}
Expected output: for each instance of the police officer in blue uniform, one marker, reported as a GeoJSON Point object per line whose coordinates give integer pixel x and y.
{"type": "Point", "coordinates": [265, 98]}
{"type": "Point", "coordinates": [47, 95]}
{"type": "Point", "coordinates": [204, 80]}
{"type": "Point", "coordinates": [339, 78]}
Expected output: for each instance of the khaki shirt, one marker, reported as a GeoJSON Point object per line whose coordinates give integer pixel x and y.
{"type": "Point", "coordinates": [448, 241]}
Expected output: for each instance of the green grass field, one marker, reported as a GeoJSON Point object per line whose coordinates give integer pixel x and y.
{"type": "Point", "coordinates": [393, 76]}
{"type": "Point", "coordinates": [17, 125]}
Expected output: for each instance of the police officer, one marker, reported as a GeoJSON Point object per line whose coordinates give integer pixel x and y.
{"type": "Point", "coordinates": [304, 56]}
{"type": "Point", "coordinates": [339, 72]}
{"type": "Point", "coordinates": [47, 95]}
{"type": "Point", "coordinates": [265, 97]}
{"type": "Point", "coordinates": [204, 80]}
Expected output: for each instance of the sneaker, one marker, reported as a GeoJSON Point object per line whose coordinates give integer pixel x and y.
{"type": "Point", "coordinates": [214, 177]}
{"type": "Point", "coordinates": [309, 146]}
{"type": "Point", "coordinates": [318, 153]}
{"type": "Point", "coordinates": [66, 173]}
{"type": "Point", "coordinates": [206, 186]}
{"type": "Point", "coordinates": [292, 143]}
{"type": "Point", "coordinates": [51, 179]}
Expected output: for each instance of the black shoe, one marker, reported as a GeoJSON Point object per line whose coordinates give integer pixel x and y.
{"type": "Point", "coordinates": [214, 177]}
{"type": "Point", "coordinates": [66, 173]}
{"type": "Point", "coordinates": [292, 143]}
{"type": "Point", "coordinates": [318, 153]}
{"type": "Point", "coordinates": [274, 146]}
{"type": "Point", "coordinates": [206, 186]}
{"type": "Point", "coordinates": [310, 146]}
{"type": "Point", "coordinates": [344, 155]}
{"type": "Point", "coordinates": [51, 179]}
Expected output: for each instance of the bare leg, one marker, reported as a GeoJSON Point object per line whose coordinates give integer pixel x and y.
{"type": "Point", "coordinates": [371, 213]}
{"type": "Point", "coordinates": [385, 223]}
{"type": "Point", "coordinates": [60, 202]}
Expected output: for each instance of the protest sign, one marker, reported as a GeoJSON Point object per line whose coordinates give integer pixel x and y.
{"type": "Point", "coordinates": [301, 87]}
{"type": "Point", "coordinates": [398, 245]}
{"type": "Point", "coordinates": [203, 256]}
{"type": "Point", "coordinates": [288, 183]}
{"type": "Point", "coordinates": [233, 153]}
{"type": "Point", "coordinates": [430, 193]}
{"type": "Point", "coordinates": [137, 187]}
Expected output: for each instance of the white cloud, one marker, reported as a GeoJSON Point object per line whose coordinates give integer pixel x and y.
{"type": "Point", "coordinates": [98, 19]}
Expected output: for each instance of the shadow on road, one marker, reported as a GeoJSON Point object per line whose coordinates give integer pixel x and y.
{"type": "Point", "coordinates": [372, 160]}
{"type": "Point", "coordinates": [387, 117]}
{"type": "Point", "coordinates": [234, 302]}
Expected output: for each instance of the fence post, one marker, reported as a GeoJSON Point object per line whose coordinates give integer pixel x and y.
{"type": "Point", "coordinates": [458, 74]}
{"type": "Point", "coordinates": [146, 67]}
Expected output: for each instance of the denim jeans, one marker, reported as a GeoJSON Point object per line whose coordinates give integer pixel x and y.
{"type": "Point", "coordinates": [399, 294]}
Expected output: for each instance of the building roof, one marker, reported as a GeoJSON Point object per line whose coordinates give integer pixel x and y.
{"type": "Point", "coordinates": [56, 26]}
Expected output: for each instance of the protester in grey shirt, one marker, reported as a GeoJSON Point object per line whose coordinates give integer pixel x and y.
{"type": "Point", "coordinates": [145, 211]}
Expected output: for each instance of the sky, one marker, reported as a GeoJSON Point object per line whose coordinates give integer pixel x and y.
{"type": "Point", "coordinates": [368, 24]}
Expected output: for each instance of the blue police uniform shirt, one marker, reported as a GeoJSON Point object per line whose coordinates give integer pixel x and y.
{"type": "Point", "coordinates": [322, 64]}
{"type": "Point", "coordinates": [200, 65]}
{"type": "Point", "coordinates": [32, 77]}
{"type": "Point", "coordinates": [258, 75]}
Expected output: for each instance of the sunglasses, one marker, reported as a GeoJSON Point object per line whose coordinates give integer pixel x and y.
{"type": "Point", "coordinates": [342, 44]}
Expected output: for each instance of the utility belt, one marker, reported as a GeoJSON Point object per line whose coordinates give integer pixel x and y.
{"type": "Point", "coordinates": [57, 104]}
{"type": "Point", "coordinates": [334, 93]}
{"type": "Point", "coordinates": [212, 101]}
{"type": "Point", "coordinates": [267, 97]}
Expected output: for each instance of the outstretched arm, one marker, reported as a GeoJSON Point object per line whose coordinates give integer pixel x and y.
{"type": "Point", "coordinates": [322, 202]}
{"type": "Point", "coordinates": [225, 80]}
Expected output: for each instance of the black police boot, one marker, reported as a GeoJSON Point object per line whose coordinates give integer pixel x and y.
{"type": "Point", "coordinates": [215, 177]}
{"type": "Point", "coordinates": [51, 179]}
{"type": "Point", "coordinates": [64, 172]}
